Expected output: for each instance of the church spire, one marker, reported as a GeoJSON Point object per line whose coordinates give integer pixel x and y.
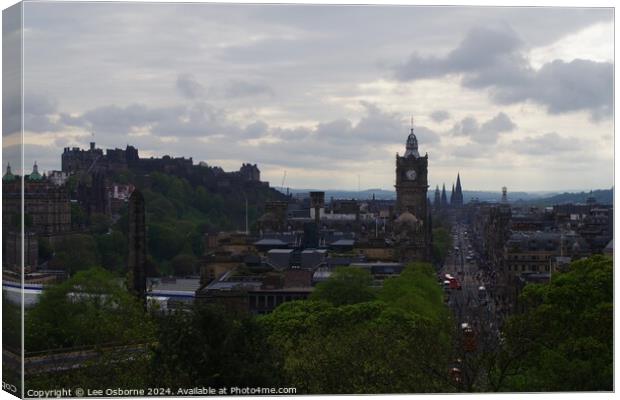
{"type": "Point", "coordinates": [458, 192]}
{"type": "Point", "coordinates": [452, 196]}
{"type": "Point", "coordinates": [437, 202]}
{"type": "Point", "coordinates": [444, 198]}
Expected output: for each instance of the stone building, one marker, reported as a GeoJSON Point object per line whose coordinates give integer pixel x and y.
{"type": "Point", "coordinates": [47, 214]}
{"type": "Point", "coordinates": [46, 205]}
{"type": "Point", "coordinates": [533, 252]}
{"type": "Point", "coordinates": [256, 292]}
{"type": "Point", "coordinates": [594, 222]}
{"type": "Point", "coordinates": [12, 251]}
{"type": "Point", "coordinates": [75, 160]}
{"type": "Point", "coordinates": [250, 172]}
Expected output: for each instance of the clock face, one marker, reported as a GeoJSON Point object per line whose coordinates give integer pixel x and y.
{"type": "Point", "coordinates": [411, 175]}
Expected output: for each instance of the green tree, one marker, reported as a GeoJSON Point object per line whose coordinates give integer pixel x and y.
{"type": "Point", "coordinates": [99, 223]}
{"type": "Point", "coordinates": [387, 343]}
{"type": "Point", "coordinates": [563, 340]}
{"type": "Point", "coordinates": [78, 216]}
{"type": "Point", "coordinates": [11, 341]}
{"type": "Point", "coordinates": [442, 242]}
{"type": "Point", "coordinates": [348, 285]}
{"type": "Point", "coordinates": [160, 208]}
{"type": "Point", "coordinates": [113, 249]}
{"type": "Point", "coordinates": [77, 253]}
{"type": "Point", "coordinates": [45, 249]}
{"type": "Point", "coordinates": [184, 264]}
{"type": "Point", "coordinates": [416, 291]}
{"type": "Point", "coordinates": [208, 346]}
{"type": "Point", "coordinates": [358, 348]}
{"type": "Point", "coordinates": [163, 241]}
{"type": "Point", "coordinates": [11, 324]}
{"type": "Point", "coordinates": [93, 308]}
{"type": "Point", "coordinates": [91, 318]}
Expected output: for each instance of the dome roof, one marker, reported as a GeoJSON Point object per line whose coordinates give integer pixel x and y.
{"type": "Point", "coordinates": [268, 217]}
{"type": "Point", "coordinates": [35, 175]}
{"type": "Point", "coordinates": [407, 218]}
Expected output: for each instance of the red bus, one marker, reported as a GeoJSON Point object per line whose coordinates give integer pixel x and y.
{"type": "Point", "coordinates": [453, 282]}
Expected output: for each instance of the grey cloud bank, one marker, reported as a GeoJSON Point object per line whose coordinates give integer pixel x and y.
{"type": "Point", "coordinates": [317, 88]}
{"type": "Point", "coordinates": [488, 132]}
{"type": "Point", "coordinates": [492, 58]}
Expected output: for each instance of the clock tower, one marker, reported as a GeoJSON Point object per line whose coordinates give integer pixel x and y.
{"type": "Point", "coordinates": [411, 180]}
{"type": "Point", "coordinates": [412, 227]}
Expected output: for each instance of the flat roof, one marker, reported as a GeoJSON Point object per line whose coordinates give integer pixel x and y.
{"type": "Point", "coordinates": [230, 285]}
{"type": "Point", "coordinates": [343, 242]}
{"type": "Point", "coordinates": [270, 242]}
{"type": "Point", "coordinates": [180, 284]}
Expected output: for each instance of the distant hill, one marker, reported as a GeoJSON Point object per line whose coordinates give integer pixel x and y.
{"type": "Point", "coordinates": [604, 196]}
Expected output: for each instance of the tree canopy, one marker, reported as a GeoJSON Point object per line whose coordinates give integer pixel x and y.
{"type": "Point", "coordinates": [348, 285]}
{"type": "Point", "coordinates": [563, 340]}
{"type": "Point", "coordinates": [208, 346]}
{"type": "Point", "coordinates": [77, 253]}
{"type": "Point", "coordinates": [379, 343]}
{"type": "Point", "coordinates": [92, 308]}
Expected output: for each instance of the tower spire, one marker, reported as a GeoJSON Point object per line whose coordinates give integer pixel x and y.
{"type": "Point", "coordinates": [458, 192]}
{"type": "Point", "coordinates": [412, 144]}
{"type": "Point", "coordinates": [444, 198]}
{"type": "Point", "coordinates": [504, 195]}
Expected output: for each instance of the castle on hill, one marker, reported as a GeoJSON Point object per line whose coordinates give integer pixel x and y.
{"type": "Point", "coordinates": [93, 159]}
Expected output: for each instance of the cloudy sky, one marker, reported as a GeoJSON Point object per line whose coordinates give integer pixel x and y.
{"type": "Point", "coordinates": [521, 97]}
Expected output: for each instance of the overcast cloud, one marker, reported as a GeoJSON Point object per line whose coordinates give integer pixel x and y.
{"type": "Point", "coordinates": [496, 59]}
{"type": "Point", "coordinates": [326, 92]}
